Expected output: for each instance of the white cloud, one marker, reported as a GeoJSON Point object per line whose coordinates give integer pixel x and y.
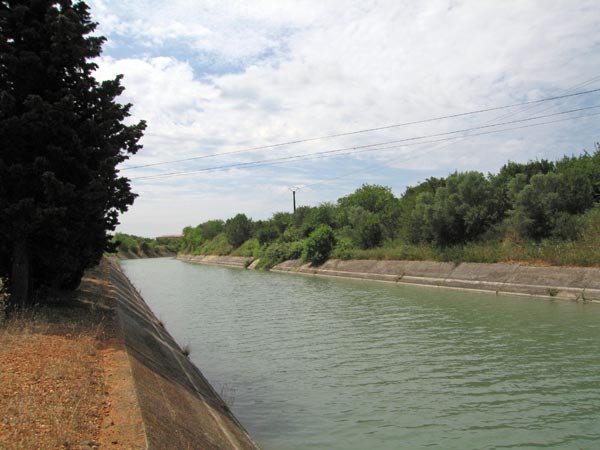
{"type": "Point", "coordinates": [314, 68]}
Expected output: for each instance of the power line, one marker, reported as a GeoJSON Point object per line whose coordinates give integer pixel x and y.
{"type": "Point", "coordinates": [373, 147]}
{"type": "Point", "coordinates": [283, 160]}
{"type": "Point", "coordinates": [502, 117]}
{"type": "Point", "coordinates": [458, 138]}
{"type": "Point", "coordinates": [367, 130]}
{"type": "Point", "coordinates": [376, 147]}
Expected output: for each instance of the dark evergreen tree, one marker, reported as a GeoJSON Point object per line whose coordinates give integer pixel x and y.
{"type": "Point", "coordinates": [238, 229]}
{"type": "Point", "coordinates": [62, 135]}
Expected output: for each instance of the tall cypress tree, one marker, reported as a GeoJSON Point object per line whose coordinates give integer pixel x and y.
{"type": "Point", "coordinates": [62, 135]}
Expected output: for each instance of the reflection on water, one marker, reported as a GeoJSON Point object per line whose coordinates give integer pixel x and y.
{"type": "Point", "coordinates": [339, 364]}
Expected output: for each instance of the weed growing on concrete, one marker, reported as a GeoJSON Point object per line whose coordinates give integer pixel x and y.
{"type": "Point", "coordinates": [552, 292]}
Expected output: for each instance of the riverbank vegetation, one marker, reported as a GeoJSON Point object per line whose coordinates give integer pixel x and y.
{"type": "Point", "coordinates": [130, 246]}
{"type": "Point", "coordinates": [542, 212]}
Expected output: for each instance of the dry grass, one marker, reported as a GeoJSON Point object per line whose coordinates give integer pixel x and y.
{"type": "Point", "coordinates": [51, 381]}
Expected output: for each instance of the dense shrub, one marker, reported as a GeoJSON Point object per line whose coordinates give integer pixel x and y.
{"type": "Point", "coordinates": [217, 246]}
{"type": "Point", "coordinates": [457, 212]}
{"type": "Point", "coordinates": [250, 248]}
{"type": "Point", "coordinates": [127, 244]}
{"type": "Point", "coordinates": [344, 249]}
{"type": "Point", "coordinates": [211, 228]}
{"type": "Point", "coordinates": [281, 221]}
{"type": "Point", "coordinates": [547, 205]}
{"type": "Point", "coordinates": [369, 232]}
{"type": "Point", "coordinates": [238, 229]}
{"type": "Point", "coordinates": [267, 234]}
{"type": "Point", "coordinates": [279, 252]}
{"type": "Point", "coordinates": [534, 211]}
{"type": "Point", "coordinates": [319, 245]}
{"type": "Point", "coordinates": [380, 202]}
{"type": "Point", "coordinates": [372, 197]}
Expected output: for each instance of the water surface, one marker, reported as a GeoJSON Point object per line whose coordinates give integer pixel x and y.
{"type": "Point", "coordinates": [316, 363]}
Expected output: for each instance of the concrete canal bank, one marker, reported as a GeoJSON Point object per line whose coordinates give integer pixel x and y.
{"type": "Point", "coordinates": [574, 283]}
{"type": "Point", "coordinates": [179, 408]}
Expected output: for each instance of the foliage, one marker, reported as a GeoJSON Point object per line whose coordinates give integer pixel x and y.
{"type": "Point", "coordinates": [537, 211]}
{"type": "Point", "coordinates": [191, 239]}
{"type": "Point", "coordinates": [169, 244]}
{"type": "Point", "coordinates": [371, 197]}
{"type": "Point", "coordinates": [512, 177]}
{"type": "Point", "coordinates": [62, 134]}
{"type": "Point", "coordinates": [266, 234]}
{"type": "Point", "coordinates": [548, 205]}
{"type": "Point", "coordinates": [319, 245]}
{"type": "Point", "coordinates": [279, 252]}
{"type": "Point", "coordinates": [381, 203]}
{"type": "Point", "coordinates": [128, 245]}
{"type": "Point", "coordinates": [238, 229]}
{"type": "Point", "coordinates": [344, 249]}
{"type": "Point", "coordinates": [218, 246]}
{"type": "Point", "coordinates": [459, 211]}
{"type": "Point", "coordinates": [281, 221]}
{"type": "Point", "coordinates": [250, 248]}
{"type": "Point", "coordinates": [211, 228]}
{"type": "Point", "coordinates": [194, 237]}
{"type": "Point", "coordinates": [369, 232]}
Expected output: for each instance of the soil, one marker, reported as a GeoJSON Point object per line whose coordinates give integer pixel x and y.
{"type": "Point", "coordinates": [65, 378]}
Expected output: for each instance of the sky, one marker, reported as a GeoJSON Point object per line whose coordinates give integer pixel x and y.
{"type": "Point", "coordinates": [212, 77]}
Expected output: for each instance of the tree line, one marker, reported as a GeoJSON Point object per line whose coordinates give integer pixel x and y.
{"type": "Point", "coordinates": [539, 203]}
{"type": "Point", "coordinates": [132, 246]}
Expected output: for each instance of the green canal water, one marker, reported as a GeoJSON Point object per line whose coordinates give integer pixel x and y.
{"type": "Point", "coordinates": [315, 363]}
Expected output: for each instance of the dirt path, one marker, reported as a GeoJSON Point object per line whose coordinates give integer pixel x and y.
{"type": "Point", "coordinates": [65, 379]}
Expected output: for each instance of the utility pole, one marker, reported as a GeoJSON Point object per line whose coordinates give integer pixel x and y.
{"type": "Point", "coordinates": [294, 189]}
{"type": "Point", "coordinates": [294, 197]}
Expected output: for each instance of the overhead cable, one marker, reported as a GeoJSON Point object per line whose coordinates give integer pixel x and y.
{"type": "Point", "coordinates": [378, 146]}
{"type": "Point", "coordinates": [367, 130]}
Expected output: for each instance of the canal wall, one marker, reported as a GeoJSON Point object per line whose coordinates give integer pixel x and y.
{"type": "Point", "coordinates": [241, 262]}
{"type": "Point", "coordinates": [574, 283]}
{"type": "Point", "coordinates": [179, 407]}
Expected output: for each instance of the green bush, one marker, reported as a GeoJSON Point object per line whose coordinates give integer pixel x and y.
{"type": "Point", "coordinates": [319, 245]}
{"type": "Point", "coordinates": [217, 246]}
{"type": "Point", "coordinates": [458, 212]}
{"type": "Point", "coordinates": [543, 207]}
{"type": "Point", "coordinates": [279, 252]}
{"type": "Point", "coordinates": [250, 248]}
{"type": "Point", "coordinates": [538, 212]}
{"type": "Point", "coordinates": [344, 249]}
{"type": "Point", "coordinates": [267, 234]}
{"type": "Point", "coordinates": [369, 233]}
{"type": "Point", "coordinates": [238, 229]}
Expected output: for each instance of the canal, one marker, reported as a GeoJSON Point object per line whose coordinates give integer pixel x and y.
{"type": "Point", "coordinates": [317, 363]}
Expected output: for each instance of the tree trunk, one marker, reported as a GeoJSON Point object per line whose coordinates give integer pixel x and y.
{"type": "Point", "coordinates": [20, 280]}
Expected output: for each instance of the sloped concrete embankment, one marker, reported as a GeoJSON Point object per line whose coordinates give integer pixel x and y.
{"type": "Point", "coordinates": [561, 282]}
{"type": "Point", "coordinates": [241, 262]}
{"type": "Point", "coordinates": [179, 408]}
{"type": "Point", "coordinates": [576, 283]}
